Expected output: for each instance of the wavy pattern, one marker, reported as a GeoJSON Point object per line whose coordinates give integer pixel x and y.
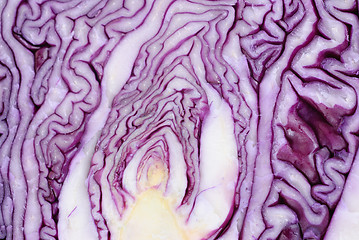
{"type": "Point", "coordinates": [238, 114]}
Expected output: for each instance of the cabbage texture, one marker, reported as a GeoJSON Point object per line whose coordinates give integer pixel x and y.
{"type": "Point", "coordinates": [179, 119]}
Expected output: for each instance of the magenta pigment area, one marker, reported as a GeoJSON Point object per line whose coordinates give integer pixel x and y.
{"type": "Point", "coordinates": [179, 120]}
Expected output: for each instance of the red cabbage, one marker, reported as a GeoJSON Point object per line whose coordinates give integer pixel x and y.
{"type": "Point", "coordinates": [179, 119]}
